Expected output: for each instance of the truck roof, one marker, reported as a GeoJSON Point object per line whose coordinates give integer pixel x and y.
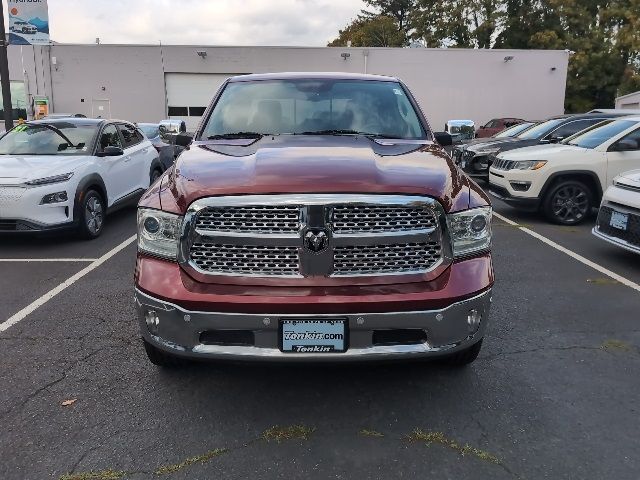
{"type": "Point", "coordinates": [311, 75]}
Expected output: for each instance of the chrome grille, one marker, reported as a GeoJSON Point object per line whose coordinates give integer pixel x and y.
{"type": "Point", "coordinates": [245, 259]}
{"type": "Point", "coordinates": [261, 236]}
{"type": "Point", "coordinates": [251, 219]}
{"type": "Point", "coordinates": [379, 219]}
{"type": "Point", "coordinates": [385, 259]}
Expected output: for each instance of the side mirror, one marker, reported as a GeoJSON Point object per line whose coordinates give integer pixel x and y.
{"type": "Point", "coordinates": [443, 138]}
{"type": "Point", "coordinates": [111, 152]}
{"type": "Point", "coordinates": [624, 145]}
{"type": "Point", "coordinates": [183, 140]}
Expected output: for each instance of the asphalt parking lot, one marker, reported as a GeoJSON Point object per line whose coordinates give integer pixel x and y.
{"type": "Point", "coordinates": [553, 394]}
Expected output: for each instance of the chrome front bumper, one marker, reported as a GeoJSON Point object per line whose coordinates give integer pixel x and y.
{"type": "Point", "coordinates": [178, 332]}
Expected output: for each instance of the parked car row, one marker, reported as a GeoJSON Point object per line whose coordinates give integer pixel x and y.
{"type": "Point", "coordinates": [565, 167]}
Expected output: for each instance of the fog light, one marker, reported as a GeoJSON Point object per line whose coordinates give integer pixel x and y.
{"type": "Point", "coordinates": [520, 186]}
{"type": "Point", "coordinates": [152, 321]}
{"type": "Point", "coordinates": [473, 320]}
{"type": "Point", "coordinates": [57, 197]}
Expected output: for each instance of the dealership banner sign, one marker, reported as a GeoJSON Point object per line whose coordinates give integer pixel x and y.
{"type": "Point", "coordinates": [28, 22]}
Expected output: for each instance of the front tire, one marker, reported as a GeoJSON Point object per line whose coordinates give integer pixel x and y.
{"type": "Point", "coordinates": [464, 357]}
{"type": "Point", "coordinates": [568, 202]}
{"type": "Point", "coordinates": [155, 175]}
{"type": "Point", "coordinates": [91, 214]}
{"type": "Point", "coordinates": [161, 358]}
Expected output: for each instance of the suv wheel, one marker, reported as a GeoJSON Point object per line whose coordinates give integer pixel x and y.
{"type": "Point", "coordinates": [463, 357]}
{"type": "Point", "coordinates": [161, 358]}
{"type": "Point", "coordinates": [568, 202]}
{"type": "Point", "coordinates": [155, 174]}
{"type": "Point", "coordinates": [91, 215]}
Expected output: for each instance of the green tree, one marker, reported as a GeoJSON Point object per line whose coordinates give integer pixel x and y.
{"type": "Point", "coordinates": [396, 9]}
{"type": "Point", "coordinates": [377, 31]}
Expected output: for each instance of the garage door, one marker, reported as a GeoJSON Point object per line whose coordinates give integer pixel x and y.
{"type": "Point", "coordinates": [188, 94]}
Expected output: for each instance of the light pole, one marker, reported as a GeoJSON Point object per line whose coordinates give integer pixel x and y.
{"type": "Point", "coordinates": [4, 73]}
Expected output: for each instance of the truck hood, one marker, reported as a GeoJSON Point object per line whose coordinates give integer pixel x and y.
{"type": "Point", "coordinates": [541, 152]}
{"type": "Point", "coordinates": [317, 164]}
{"type": "Point", "coordinates": [490, 143]}
{"type": "Point", "coordinates": [15, 169]}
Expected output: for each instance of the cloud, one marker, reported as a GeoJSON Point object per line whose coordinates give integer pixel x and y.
{"type": "Point", "coordinates": [204, 22]}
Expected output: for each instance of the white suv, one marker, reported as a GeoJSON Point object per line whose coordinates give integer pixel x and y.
{"type": "Point", "coordinates": [619, 217]}
{"type": "Point", "coordinates": [68, 173]}
{"type": "Point", "coordinates": [566, 180]}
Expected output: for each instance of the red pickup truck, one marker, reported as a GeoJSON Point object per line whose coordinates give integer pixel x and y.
{"type": "Point", "coordinates": [313, 217]}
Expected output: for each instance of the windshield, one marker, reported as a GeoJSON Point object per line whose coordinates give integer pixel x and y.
{"type": "Point", "coordinates": [512, 131]}
{"type": "Point", "coordinates": [600, 133]}
{"type": "Point", "coordinates": [59, 138]}
{"type": "Point", "coordinates": [325, 106]}
{"type": "Point", "coordinates": [540, 130]}
{"type": "Point", "coordinates": [151, 131]}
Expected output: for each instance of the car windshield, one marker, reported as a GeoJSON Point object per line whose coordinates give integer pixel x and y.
{"type": "Point", "coordinates": [540, 130]}
{"type": "Point", "coordinates": [600, 133]}
{"type": "Point", "coordinates": [59, 138]}
{"type": "Point", "coordinates": [150, 130]}
{"type": "Point", "coordinates": [314, 106]}
{"type": "Point", "coordinates": [512, 131]}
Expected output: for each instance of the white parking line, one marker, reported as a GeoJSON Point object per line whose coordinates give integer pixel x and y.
{"type": "Point", "coordinates": [572, 254]}
{"type": "Point", "coordinates": [29, 260]}
{"type": "Point", "coordinates": [67, 283]}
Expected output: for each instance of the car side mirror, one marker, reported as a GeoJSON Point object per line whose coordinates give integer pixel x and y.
{"type": "Point", "coordinates": [111, 151]}
{"type": "Point", "coordinates": [624, 145]}
{"type": "Point", "coordinates": [183, 140]}
{"type": "Point", "coordinates": [443, 138]}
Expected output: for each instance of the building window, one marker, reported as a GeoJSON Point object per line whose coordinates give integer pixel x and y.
{"type": "Point", "coordinates": [178, 111]}
{"type": "Point", "coordinates": [196, 111]}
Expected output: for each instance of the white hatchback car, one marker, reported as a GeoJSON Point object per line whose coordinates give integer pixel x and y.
{"type": "Point", "coordinates": [68, 173]}
{"type": "Point", "coordinates": [566, 180]}
{"type": "Point", "coordinates": [619, 216]}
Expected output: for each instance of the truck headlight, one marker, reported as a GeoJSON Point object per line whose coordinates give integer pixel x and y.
{"type": "Point", "coordinates": [470, 231]}
{"type": "Point", "coordinates": [158, 232]}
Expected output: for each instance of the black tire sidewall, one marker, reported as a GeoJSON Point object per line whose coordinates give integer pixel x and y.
{"type": "Point", "coordinates": [82, 211]}
{"type": "Point", "coordinates": [548, 201]}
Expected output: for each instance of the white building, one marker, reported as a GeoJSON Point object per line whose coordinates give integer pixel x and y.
{"type": "Point", "coordinates": [146, 83]}
{"type": "Point", "coordinates": [629, 101]}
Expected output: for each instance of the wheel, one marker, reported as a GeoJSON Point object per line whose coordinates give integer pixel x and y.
{"type": "Point", "coordinates": [568, 202]}
{"type": "Point", "coordinates": [91, 215]}
{"type": "Point", "coordinates": [155, 174]}
{"type": "Point", "coordinates": [463, 357]}
{"type": "Point", "coordinates": [161, 358]}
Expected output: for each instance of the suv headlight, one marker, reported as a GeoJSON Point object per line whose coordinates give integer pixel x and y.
{"type": "Point", "coordinates": [158, 232]}
{"type": "Point", "coordinates": [49, 180]}
{"type": "Point", "coordinates": [470, 231]}
{"type": "Point", "coordinates": [529, 165]}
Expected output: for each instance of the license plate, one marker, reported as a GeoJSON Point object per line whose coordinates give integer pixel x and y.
{"type": "Point", "coordinates": [619, 220]}
{"type": "Point", "coordinates": [313, 336]}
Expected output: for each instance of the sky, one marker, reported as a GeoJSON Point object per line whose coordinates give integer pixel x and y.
{"type": "Point", "coordinates": [206, 22]}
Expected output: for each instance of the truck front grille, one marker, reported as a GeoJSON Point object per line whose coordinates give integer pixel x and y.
{"type": "Point", "coordinates": [378, 219]}
{"type": "Point", "coordinates": [318, 236]}
{"type": "Point", "coordinates": [385, 259]}
{"type": "Point", "coordinates": [258, 219]}
{"type": "Point", "coordinates": [245, 259]}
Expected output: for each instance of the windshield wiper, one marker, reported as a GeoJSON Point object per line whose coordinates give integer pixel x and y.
{"type": "Point", "coordinates": [347, 132]}
{"type": "Point", "coordinates": [59, 132]}
{"type": "Point", "coordinates": [237, 135]}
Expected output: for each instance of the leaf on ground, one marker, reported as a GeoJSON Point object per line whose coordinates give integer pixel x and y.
{"type": "Point", "coordinates": [66, 403]}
